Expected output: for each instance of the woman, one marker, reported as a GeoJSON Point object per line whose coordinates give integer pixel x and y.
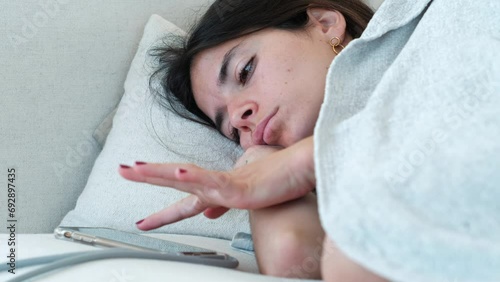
{"type": "Point", "coordinates": [256, 70]}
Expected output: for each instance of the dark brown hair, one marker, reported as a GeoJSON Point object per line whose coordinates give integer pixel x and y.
{"type": "Point", "coordinates": [229, 19]}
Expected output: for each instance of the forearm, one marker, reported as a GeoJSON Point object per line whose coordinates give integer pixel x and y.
{"type": "Point", "coordinates": [283, 246]}
{"type": "Point", "coordinates": [287, 238]}
{"type": "Point", "coordinates": [304, 159]}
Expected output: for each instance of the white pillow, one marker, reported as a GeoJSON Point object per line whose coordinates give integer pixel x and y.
{"type": "Point", "coordinates": [143, 131]}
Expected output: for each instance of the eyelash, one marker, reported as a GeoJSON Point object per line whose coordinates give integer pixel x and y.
{"type": "Point", "coordinates": [246, 71]}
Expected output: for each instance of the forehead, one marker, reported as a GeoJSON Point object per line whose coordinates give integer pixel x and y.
{"type": "Point", "coordinates": [212, 58]}
{"type": "Point", "coordinates": [204, 76]}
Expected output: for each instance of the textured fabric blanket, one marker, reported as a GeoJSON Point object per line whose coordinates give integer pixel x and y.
{"type": "Point", "coordinates": [407, 146]}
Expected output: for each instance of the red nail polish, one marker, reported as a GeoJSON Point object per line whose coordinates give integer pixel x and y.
{"type": "Point", "coordinates": [139, 222]}
{"type": "Point", "coordinates": [181, 170]}
{"type": "Point", "coordinates": [140, 163]}
{"type": "Point", "coordinates": [124, 166]}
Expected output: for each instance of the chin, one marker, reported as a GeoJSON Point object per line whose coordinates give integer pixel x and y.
{"type": "Point", "coordinates": [287, 142]}
{"type": "Point", "coordinates": [290, 138]}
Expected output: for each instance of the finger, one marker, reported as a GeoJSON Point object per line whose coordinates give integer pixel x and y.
{"type": "Point", "coordinates": [156, 174]}
{"type": "Point", "coordinates": [210, 185]}
{"type": "Point", "coordinates": [140, 172]}
{"type": "Point", "coordinates": [185, 208]}
{"type": "Point", "coordinates": [186, 173]}
{"type": "Point", "coordinates": [216, 212]}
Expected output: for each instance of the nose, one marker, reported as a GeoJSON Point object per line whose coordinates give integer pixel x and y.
{"type": "Point", "coordinates": [243, 117]}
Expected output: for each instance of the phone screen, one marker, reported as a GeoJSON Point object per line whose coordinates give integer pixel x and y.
{"type": "Point", "coordinates": [137, 240]}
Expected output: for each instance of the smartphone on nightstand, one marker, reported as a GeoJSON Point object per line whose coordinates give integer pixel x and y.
{"type": "Point", "coordinates": [112, 238]}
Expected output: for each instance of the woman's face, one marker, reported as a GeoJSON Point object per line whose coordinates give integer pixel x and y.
{"type": "Point", "coordinates": [266, 87]}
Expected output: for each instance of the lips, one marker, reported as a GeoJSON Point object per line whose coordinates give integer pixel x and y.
{"type": "Point", "coordinates": [258, 135]}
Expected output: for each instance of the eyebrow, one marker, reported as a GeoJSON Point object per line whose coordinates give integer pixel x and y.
{"type": "Point", "coordinates": [225, 63]}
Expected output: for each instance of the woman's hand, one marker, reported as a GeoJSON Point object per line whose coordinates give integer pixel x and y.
{"type": "Point", "coordinates": [251, 154]}
{"type": "Point", "coordinates": [255, 153]}
{"type": "Point", "coordinates": [276, 178]}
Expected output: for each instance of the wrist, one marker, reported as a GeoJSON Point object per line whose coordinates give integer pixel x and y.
{"type": "Point", "coordinates": [305, 159]}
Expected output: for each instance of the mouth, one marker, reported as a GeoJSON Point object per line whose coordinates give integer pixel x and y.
{"type": "Point", "coordinates": [258, 135]}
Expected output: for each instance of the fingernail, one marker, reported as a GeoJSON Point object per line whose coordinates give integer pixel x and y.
{"type": "Point", "coordinates": [140, 163]}
{"type": "Point", "coordinates": [139, 222]}
{"type": "Point", "coordinates": [124, 166]}
{"type": "Point", "coordinates": [181, 170]}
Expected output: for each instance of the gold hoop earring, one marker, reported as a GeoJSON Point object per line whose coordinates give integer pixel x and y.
{"type": "Point", "coordinates": [336, 44]}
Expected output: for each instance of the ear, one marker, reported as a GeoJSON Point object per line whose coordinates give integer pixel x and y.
{"type": "Point", "coordinates": [330, 23]}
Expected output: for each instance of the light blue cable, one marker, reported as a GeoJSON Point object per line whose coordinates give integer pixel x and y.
{"type": "Point", "coordinates": [40, 260]}
{"type": "Point", "coordinates": [61, 261]}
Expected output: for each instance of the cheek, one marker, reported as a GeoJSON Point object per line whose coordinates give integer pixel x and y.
{"type": "Point", "coordinates": [272, 85]}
